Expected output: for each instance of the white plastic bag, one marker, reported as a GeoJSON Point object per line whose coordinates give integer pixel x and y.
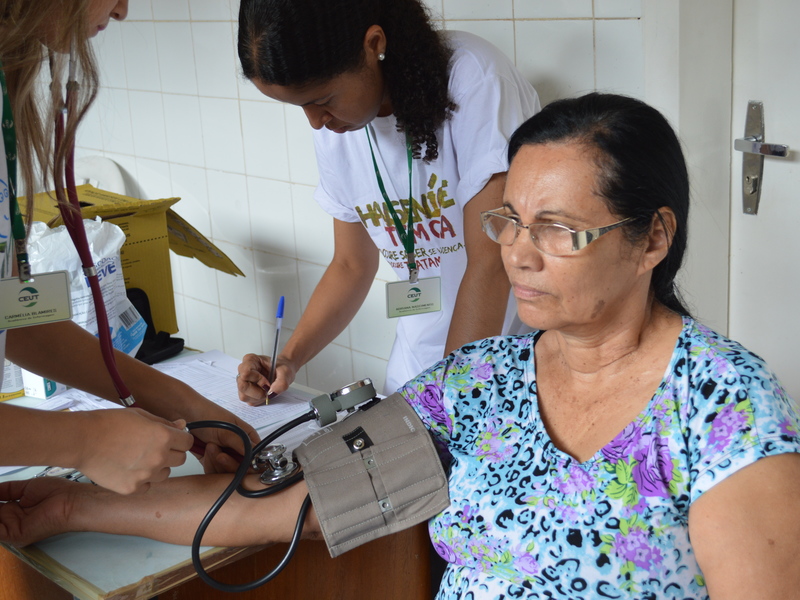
{"type": "Point", "coordinates": [52, 250]}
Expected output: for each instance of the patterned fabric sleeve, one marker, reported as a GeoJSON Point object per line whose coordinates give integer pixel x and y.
{"type": "Point", "coordinates": [740, 413]}
{"type": "Point", "coordinates": [425, 394]}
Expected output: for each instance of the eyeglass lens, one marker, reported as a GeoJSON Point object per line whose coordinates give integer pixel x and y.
{"type": "Point", "coordinates": [550, 239]}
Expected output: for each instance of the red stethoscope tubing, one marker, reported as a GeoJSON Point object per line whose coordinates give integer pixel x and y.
{"type": "Point", "coordinates": [70, 209]}
{"type": "Point", "coordinates": [71, 214]}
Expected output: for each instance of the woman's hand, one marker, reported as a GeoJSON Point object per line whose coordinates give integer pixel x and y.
{"type": "Point", "coordinates": [252, 380]}
{"type": "Point", "coordinates": [125, 450]}
{"type": "Point", "coordinates": [219, 462]}
{"type": "Point", "coordinates": [34, 509]}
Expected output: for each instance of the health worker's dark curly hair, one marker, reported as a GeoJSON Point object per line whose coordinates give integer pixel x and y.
{"type": "Point", "coordinates": [300, 42]}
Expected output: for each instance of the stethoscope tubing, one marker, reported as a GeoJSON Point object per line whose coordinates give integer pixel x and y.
{"type": "Point", "coordinates": [70, 209]}
{"type": "Point", "coordinates": [236, 485]}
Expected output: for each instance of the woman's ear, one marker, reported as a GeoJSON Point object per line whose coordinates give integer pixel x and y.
{"type": "Point", "coordinates": [375, 42]}
{"type": "Point", "coordinates": [659, 239]}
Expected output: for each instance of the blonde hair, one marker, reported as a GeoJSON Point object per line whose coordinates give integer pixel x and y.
{"type": "Point", "coordinates": [23, 23]}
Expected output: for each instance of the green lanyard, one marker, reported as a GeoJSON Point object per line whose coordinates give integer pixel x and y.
{"type": "Point", "coordinates": [17, 223]}
{"type": "Point", "coordinates": [406, 234]}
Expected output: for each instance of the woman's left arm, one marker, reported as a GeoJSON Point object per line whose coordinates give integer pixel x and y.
{"type": "Point", "coordinates": [483, 294]}
{"type": "Point", "coordinates": [67, 353]}
{"type": "Point", "coordinates": [745, 531]}
{"type": "Point", "coordinates": [169, 511]}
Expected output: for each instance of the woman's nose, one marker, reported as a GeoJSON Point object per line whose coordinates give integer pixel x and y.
{"type": "Point", "coordinates": [120, 10]}
{"type": "Point", "coordinates": [522, 253]}
{"type": "Point", "coordinates": [317, 116]}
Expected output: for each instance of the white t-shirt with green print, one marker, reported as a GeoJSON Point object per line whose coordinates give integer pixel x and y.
{"type": "Point", "coordinates": [492, 100]}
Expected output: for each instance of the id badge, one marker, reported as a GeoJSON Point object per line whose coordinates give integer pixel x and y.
{"type": "Point", "coordinates": [46, 299]}
{"type": "Point", "coordinates": [404, 298]}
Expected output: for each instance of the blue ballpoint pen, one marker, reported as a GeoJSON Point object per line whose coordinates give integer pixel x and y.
{"type": "Point", "coordinates": [279, 321]}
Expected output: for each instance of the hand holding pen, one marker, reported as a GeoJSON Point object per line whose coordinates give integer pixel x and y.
{"type": "Point", "coordinates": [259, 380]}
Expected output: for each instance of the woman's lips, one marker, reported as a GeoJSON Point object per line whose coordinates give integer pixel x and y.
{"type": "Point", "coordinates": [522, 292]}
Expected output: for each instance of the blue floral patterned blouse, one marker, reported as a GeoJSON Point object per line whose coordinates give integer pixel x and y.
{"type": "Point", "coordinates": [528, 521]}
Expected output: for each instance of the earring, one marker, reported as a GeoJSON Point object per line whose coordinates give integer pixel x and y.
{"type": "Point", "coordinates": [381, 56]}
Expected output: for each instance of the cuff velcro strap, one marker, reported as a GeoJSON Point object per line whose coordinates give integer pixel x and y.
{"type": "Point", "coordinates": [374, 473]}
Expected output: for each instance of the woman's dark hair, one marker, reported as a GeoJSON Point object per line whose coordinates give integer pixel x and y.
{"type": "Point", "coordinates": [641, 164]}
{"type": "Point", "coordinates": [298, 42]}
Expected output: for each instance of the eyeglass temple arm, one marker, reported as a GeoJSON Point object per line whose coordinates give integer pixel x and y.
{"type": "Point", "coordinates": [581, 239]}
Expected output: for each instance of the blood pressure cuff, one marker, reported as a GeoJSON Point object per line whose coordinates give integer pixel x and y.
{"type": "Point", "coordinates": [374, 473]}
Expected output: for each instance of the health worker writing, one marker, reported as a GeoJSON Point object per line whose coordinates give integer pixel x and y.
{"type": "Point", "coordinates": [410, 131]}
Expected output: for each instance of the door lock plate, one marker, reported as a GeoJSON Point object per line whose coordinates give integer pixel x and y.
{"type": "Point", "coordinates": [755, 149]}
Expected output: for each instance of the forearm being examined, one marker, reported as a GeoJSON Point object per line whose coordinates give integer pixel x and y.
{"type": "Point", "coordinates": [171, 512]}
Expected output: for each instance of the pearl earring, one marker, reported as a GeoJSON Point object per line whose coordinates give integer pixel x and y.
{"type": "Point", "coordinates": [381, 56]}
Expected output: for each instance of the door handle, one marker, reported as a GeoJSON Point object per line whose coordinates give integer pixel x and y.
{"type": "Point", "coordinates": [755, 149]}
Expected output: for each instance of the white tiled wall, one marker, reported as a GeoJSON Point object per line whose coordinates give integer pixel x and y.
{"type": "Point", "coordinates": [177, 116]}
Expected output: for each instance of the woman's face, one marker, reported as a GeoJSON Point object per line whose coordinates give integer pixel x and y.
{"type": "Point", "coordinates": [100, 12]}
{"type": "Point", "coordinates": [586, 292]}
{"type": "Point", "coordinates": [98, 15]}
{"type": "Point", "coordinates": [346, 102]}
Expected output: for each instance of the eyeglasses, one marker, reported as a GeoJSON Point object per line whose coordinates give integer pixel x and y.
{"type": "Point", "coordinates": [551, 238]}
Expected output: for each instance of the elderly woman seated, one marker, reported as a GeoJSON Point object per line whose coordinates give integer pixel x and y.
{"type": "Point", "coordinates": [621, 450]}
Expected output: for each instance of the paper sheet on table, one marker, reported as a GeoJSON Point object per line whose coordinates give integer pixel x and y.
{"type": "Point", "coordinates": [218, 385]}
{"type": "Point", "coordinates": [285, 407]}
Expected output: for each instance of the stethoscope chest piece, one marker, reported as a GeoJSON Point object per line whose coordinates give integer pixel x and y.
{"type": "Point", "coordinates": [273, 464]}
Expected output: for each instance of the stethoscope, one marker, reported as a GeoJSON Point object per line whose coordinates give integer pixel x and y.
{"type": "Point", "coordinates": [276, 470]}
